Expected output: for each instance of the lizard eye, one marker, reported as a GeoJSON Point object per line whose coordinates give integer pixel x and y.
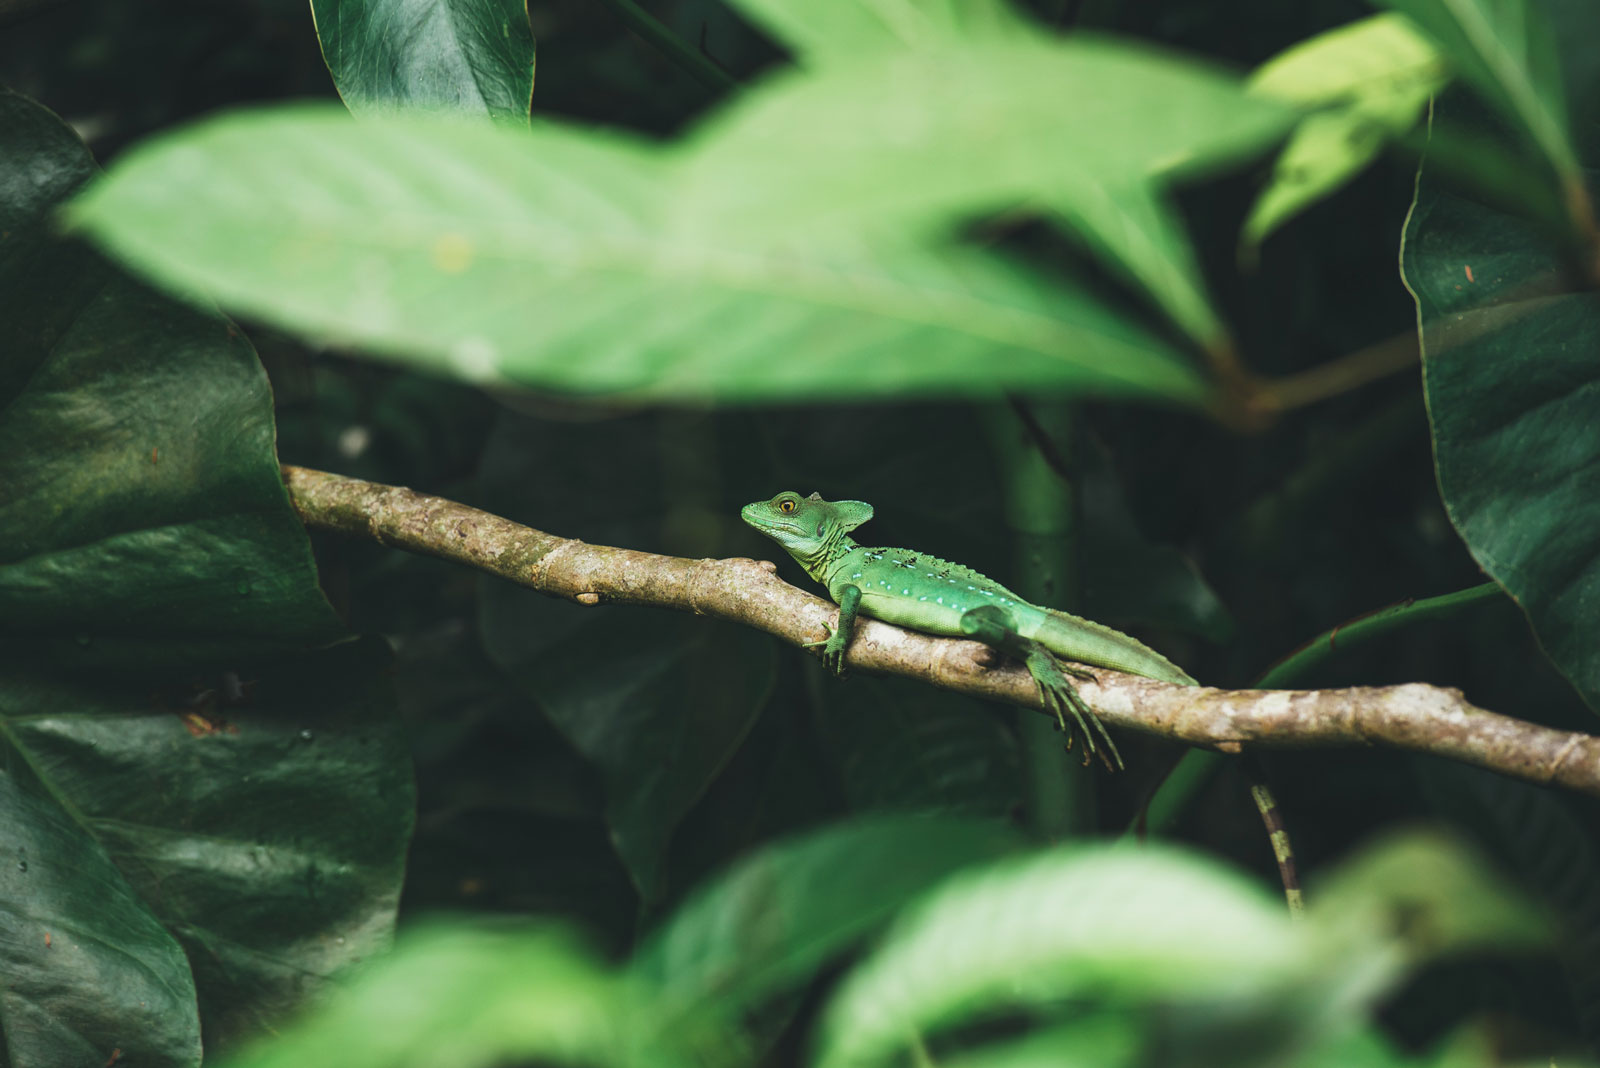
{"type": "Point", "coordinates": [787, 506]}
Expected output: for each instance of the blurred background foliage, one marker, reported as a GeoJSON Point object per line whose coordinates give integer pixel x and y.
{"type": "Point", "coordinates": [599, 765]}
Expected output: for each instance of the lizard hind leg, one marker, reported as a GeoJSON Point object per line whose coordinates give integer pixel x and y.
{"type": "Point", "coordinates": [993, 626]}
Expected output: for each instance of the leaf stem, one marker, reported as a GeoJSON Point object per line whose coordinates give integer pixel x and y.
{"type": "Point", "coordinates": [1368, 626]}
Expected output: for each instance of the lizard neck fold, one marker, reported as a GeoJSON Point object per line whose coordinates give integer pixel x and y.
{"type": "Point", "coordinates": [820, 563]}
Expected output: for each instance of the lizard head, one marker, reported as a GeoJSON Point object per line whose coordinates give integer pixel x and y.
{"type": "Point", "coordinates": [803, 525]}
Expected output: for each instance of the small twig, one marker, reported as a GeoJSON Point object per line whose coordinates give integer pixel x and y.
{"type": "Point", "coordinates": [1416, 716]}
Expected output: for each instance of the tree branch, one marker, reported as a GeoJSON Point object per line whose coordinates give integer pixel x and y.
{"type": "Point", "coordinates": [1416, 716]}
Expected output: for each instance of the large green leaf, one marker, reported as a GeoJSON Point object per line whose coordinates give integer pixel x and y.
{"type": "Point", "coordinates": [924, 135]}
{"type": "Point", "coordinates": [142, 519]}
{"type": "Point", "coordinates": [1511, 383]}
{"type": "Point", "coordinates": [89, 970]}
{"type": "Point", "coordinates": [773, 920]}
{"type": "Point", "coordinates": [268, 836]}
{"type": "Point", "coordinates": [1373, 77]}
{"type": "Point", "coordinates": [544, 260]}
{"type": "Point", "coordinates": [1127, 224]}
{"type": "Point", "coordinates": [153, 581]}
{"type": "Point", "coordinates": [1507, 49]}
{"type": "Point", "coordinates": [469, 56]}
{"type": "Point", "coordinates": [1152, 923]}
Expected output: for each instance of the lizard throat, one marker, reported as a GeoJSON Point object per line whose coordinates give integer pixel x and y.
{"type": "Point", "coordinates": [818, 564]}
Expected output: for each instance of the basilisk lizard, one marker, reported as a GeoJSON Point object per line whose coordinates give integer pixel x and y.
{"type": "Point", "coordinates": [934, 596]}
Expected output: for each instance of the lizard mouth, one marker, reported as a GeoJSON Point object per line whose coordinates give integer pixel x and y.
{"type": "Point", "coordinates": [759, 516]}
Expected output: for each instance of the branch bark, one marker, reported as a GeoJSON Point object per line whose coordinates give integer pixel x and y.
{"type": "Point", "coordinates": [1416, 716]}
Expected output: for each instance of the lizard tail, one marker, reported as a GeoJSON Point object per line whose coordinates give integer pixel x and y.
{"type": "Point", "coordinates": [1088, 642]}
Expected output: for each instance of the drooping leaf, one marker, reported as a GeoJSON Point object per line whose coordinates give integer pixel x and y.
{"type": "Point", "coordinates": [466, 995]}
{"type": "Point", "coordinates": [773, 920]}
{"type": "Point", "coordinates": [1373, 77]}
{"type": "Point", "coordinates": [1131, 925]}
{"type": "Point", "coordinates": [545, 260]}
{"type": "Point", "coordinates": [924, 137]}
{"type": "Point", "coordinates": [470, 56]}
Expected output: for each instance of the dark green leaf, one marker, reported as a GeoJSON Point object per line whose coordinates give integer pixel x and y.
{"type": "Point", "coordinates": [152, 581]}
{"type": "Point", "coordinates": [268, 836]}
{"type": "Point", "coordinates": [469, 56]}
{"type": "Point", "coordinates": [89, 971]}
{"type": "Point", "coordinates": [143, 523]}
{"type": "Point", "coordinates": [544, 260]}
{"type": "Point", "coordinates": [1510, 382]}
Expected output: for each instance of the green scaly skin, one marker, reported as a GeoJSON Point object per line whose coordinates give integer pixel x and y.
{"type": "Point", "coordinates": [934, 596]}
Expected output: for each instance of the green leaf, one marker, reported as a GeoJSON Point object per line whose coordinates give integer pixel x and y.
{"type": "Point", "coordinates": [930, 136]}
{"type": "Point", "coordinates": [1135, 232]}
{"type": "Point", "coordinates": [153, 583]}
{"type": "Point", "coordinates": [475, 57]}
{"type": "Point", "coordinates": [89, 970]}
{"type": "Point", "coordinates": [1510, 380]}
{"type": "Point", "coordinates": [544, 260]}
{"type": "Point", "coordinates": [468, 996]}
{"type": "Point", "coordinates": [1119, 924]}
{"type": "Point", "coordinates": [1507, 50]}
{"type": "Point", "coordinates": [770, 923]}
{"type": "Point", "coordinates": [825, 30]}
{"type": "Point", "coordinates": [1374, 75]}
{"type": "Point", "coordinates": [218, 816]}
{"type": "Point", "coordinates": [1428, 895]}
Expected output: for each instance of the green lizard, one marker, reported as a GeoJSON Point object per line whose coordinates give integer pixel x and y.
{"type": "Point", "coordinates": [925, 593]}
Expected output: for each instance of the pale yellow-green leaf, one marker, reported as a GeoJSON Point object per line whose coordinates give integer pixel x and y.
{"type": "Point", "coordinates": [1371, 79]}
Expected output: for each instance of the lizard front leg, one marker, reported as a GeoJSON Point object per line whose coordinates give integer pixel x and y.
{"type": "Point", "coordinates": [838, 639]}
{"type": "Point", "coordinates": [993, 626]}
